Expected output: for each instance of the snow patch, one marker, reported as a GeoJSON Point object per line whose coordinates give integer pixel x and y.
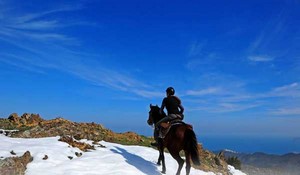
{"type": "Point", "coordinates": [115, 159]}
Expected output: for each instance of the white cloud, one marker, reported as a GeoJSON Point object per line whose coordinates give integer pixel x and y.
{"type": "Point", "coordinates": [208, 91]}
{"type": "Point", "coordinates": [203, 61]}
{"type": "Point", "coordinates": [38, 47]}
{"type": "Point", "coordinates": [223, 107]}
{"type": "Point", "coordinates": [287, 87]}
{"type": "Point", "coordinates": [280, 100]}
{"type": "Point", "coordinates": [291, 90]}
{"type": "Point", "coordinates": [287, 111]}
{"type": "Point", "coordinates": [25, 18]}
{"type": "Point", "coordinates": [149, 94]}
{"type": "Point", "coordinates": [36, 26]}
{"type": "Point", "coordinates": [260, 58]}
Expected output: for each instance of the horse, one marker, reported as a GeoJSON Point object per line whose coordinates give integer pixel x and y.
{"type": "Point", "coordinates": [180, 137]}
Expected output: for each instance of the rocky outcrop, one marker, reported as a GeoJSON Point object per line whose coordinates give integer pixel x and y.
{"type": "Point", "coordinates": [33, 126]}
{"type": "Point", "coordinates": [15, 165]}
{"type": "Point", "coordinates": [90, 131]}
{"type": "Point", "coordinates": [82, 146]}
{"type": "Point", "coordinates": [26, 119]}
{"type": "Point", "coordinates": [212, 162]}
{"type": "Point", "coordinates": [14, 118]}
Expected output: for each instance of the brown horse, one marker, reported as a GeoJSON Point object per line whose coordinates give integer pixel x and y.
{"type": "Point", "coordinates": [180, 137]}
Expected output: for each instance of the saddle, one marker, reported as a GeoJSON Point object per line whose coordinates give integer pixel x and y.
{"type": "Point", "coordinates": [166, 126]}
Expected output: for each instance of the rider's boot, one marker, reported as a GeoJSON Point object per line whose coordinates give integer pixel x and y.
{"type": "Point", "coordinates": [156, 132]}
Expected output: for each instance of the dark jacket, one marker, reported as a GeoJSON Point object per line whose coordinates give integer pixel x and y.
{"type": "Point", "coordinates": [173, 105]}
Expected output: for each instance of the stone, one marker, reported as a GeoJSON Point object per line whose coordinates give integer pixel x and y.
{"type": "Point", "coordinates": [15, 165]}
{"type": "Point", "coordinates": [45, 157]}
{"type": "Point", "coordinates": [14, 118]}
{"type": "Point", "coordinates": [12, 152]}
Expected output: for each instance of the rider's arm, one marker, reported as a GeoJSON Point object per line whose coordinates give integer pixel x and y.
{"type": "Point", "coordinates": [181, 108]}
{"type": "Point", "coordinates": [163, 105]}
{"type": "Point", "coordinates": [180, 105]}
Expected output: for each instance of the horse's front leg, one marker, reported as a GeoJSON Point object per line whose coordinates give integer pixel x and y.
{"type": "Point", "coordinates": [162, 158]}
{"type": "Point", "coordinates": [163, 162]}
{"type": "Point", "coordinates": [159, 159]}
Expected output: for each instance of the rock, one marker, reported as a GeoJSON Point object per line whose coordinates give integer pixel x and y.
{"type": "Point", "coordinates": [82, 146]}
{"type": "Point", "coordinates": [34, 119]}
{"type": "Point", "coordinates": [12, 152]}
{"type": "Point", "coordinates": [14, 118]}
{"type": "Point", "coordinates": [78, 154]}
{"type": "Point", "coordinates": [101, 146]}
{"type": "Point", "coordinates": [25, 116]}
{"type": "Point", "coordinates": [45, 157]}
{"type": "Point", "coordinates": [15, 165]}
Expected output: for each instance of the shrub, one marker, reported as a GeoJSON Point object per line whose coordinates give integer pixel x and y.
{"type": "Point", "coordinates": [234, 161]}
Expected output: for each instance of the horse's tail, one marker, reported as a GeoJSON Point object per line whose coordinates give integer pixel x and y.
{"type": "Point", "coordinates": [191, 145]}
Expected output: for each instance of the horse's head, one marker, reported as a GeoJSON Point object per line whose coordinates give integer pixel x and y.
{"type": "Point", "coordinates": [155, 115]}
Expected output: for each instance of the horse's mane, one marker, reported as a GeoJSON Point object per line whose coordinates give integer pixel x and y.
{"type": "Point", "coordinates": [157, 109]}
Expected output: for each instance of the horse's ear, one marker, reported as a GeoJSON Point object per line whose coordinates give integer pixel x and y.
{"type": "Point", "coordinates": [150, 105]}
{"type": "Point", "coordinates": [156, 105]}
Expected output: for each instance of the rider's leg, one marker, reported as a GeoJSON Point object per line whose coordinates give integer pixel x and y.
{"type": "Point", "coordinates": [156, 133]}
{"type": "Point", "coordinates": [157, 126]}
{"type": "Point", "coordinates": [156, 130]}
{"type": "Point", "coordinates": [170, 117]}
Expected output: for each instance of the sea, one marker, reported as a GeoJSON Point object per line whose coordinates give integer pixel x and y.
{"type": "Point", "coordinates": [251, 144]}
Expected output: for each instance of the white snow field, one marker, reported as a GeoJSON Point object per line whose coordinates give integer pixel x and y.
{"type": "Point", "coordinates": [115, 159]}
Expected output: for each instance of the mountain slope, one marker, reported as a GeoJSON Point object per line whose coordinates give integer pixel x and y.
{"type": "Point", "coordinates": [33, 126]}
{"type": "Point", "coordinates": [112, 159]}
{"type": "Point", "coordinates": [268, 164]}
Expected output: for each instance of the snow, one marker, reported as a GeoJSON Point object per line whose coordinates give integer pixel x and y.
{"type": "Point", "coordinates": [234, 171]}
{"type": "Point", "coordinates": [115, 159]}
{"type": "Point", "coordinates": [230, 151]}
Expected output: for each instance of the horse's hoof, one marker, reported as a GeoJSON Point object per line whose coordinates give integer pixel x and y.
{"type": "Point", "coordinates": [158, 163]}
{"type": "Point", "coordinates": [163, 172]}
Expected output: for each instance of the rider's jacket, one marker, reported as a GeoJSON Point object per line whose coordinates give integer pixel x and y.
{"type": "Point", "coordinates": [173, 104]}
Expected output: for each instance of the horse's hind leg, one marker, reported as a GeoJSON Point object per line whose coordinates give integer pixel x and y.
{"type": "Point", "coordinates": [188, 162]}
{"type": "Point", "coordinates": [179, 160]}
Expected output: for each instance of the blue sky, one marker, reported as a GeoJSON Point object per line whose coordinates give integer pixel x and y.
{"type": "Point", "coordinates": [234, 64]}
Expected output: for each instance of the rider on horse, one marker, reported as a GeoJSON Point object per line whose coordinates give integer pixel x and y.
{"type": "Point", "coordinates": [174, 108]}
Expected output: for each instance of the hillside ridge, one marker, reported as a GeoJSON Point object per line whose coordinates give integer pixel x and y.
{"type": "Point", "coordinates": [34, 126]}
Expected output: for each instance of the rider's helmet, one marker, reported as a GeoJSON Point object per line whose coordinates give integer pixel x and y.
{"type": "Point", "coordinates": [170, 91]}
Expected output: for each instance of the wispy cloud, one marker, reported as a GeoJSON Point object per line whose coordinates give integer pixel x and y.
{"type": "Point", "coordinates": [279, 100]}
{"type": "Point", "coordinates": [20, 65]}
{"type": "Point", "coordinates": [149, 94]}
{"type": "Point", "coordinates": [27, 18]}
{"type": "Point", "coordinates": [291, 90]}
{"type": "Point", "coordinates": [286, 111]}
{"type": "Point", "coordinates": [261, 47]}
{"type": "Point", "coordinates": [40, 45]}
{"type": "Point", "coordinates": [208, 91]}
{"type": "Point", "coordinates": [223, 107]}
{"type": "Point", "coordinates": [34, 25]}
{"type": "Point", "coordinates": [202, 61]}
{"type": "Point", "coordinates": [260, 58]}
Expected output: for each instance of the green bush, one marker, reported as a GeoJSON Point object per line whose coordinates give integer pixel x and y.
{"type": "Point", "coordinates": [235, 162]}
